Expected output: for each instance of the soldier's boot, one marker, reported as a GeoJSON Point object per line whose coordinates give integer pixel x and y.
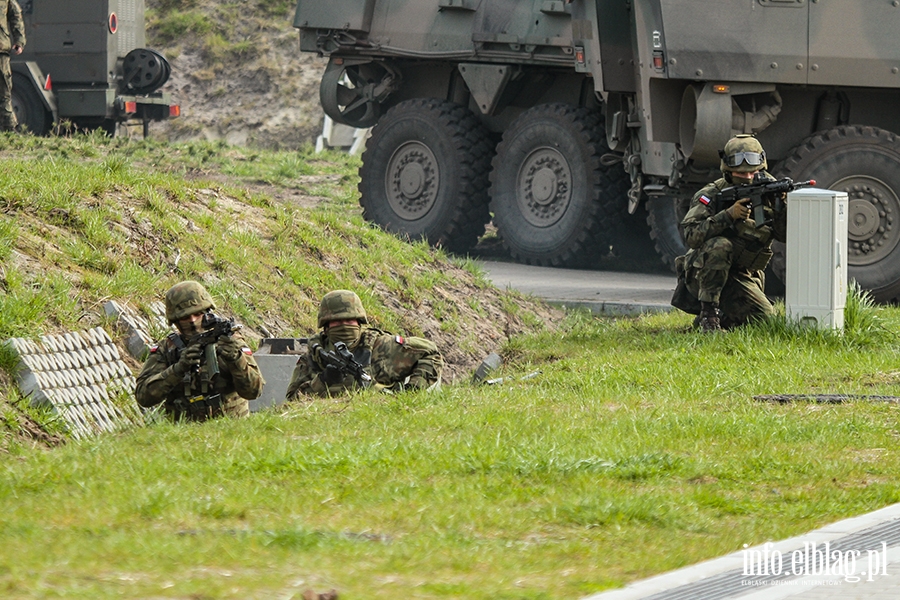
{"type": "Point", "coordinates": [710, 317]}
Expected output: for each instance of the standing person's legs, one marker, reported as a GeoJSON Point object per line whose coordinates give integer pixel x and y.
{"type": "Point", "coordinates": [7, 116]}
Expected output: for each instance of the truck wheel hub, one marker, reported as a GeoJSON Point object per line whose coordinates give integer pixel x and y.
{"type": "Point", "coordinates": [544, 187]}
{"type": "Point", "coordinates": [873, 206]}
{"type": "Point", "coordinates": [412, 180]}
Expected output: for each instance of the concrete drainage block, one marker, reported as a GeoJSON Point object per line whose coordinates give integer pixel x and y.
{"type": "Point", "coordinates": [276, 358]}
{"type": "Point", "coordinates": [136, 328]}
{"type": "Point", "coordinates": [82, 377]}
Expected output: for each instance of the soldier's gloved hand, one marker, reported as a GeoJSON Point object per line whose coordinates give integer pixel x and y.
{"type": "Point", "coordinates": [229, 348]}
{"type": "Point", "coordinates": [332, 375]}
{"type": "Point", "coordinates": [740, 210]}
{"type": "Point", "coordinates": [189, 360]}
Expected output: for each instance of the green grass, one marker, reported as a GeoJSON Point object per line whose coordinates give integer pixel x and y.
{"type": "Point", "coordinates": [636, 448]}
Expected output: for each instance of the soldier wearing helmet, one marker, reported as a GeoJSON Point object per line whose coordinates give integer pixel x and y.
{"type": "Point", "coordinates": [721, 278]}
{"type": "Point", "coordinates": [394, 362]}
{"type": "Point", "coordinates": [178, 373]}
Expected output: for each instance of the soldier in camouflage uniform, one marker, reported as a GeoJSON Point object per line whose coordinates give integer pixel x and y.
{"type": "Point", "coordinates": [394, 362]}
{"type": "Point", "coordinates": [721, 277]}
{"type": "Point", "coordinates": [12, 39]}
{"type": "Point", "coordinates": [177, 373]}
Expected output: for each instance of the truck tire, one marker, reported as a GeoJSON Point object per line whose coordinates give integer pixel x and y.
{"type": "Point", "coordinates": [554, 203]}
{"type": "Point", "coordinates": [425, 173]}
{"type": "Point", "coordinates": [664, 215]}
{"type": "Point", "coordinates": [28, 106]}
{"type": "Point", "coordinates": [865, 163]}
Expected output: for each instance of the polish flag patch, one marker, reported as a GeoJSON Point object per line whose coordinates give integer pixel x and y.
{"type": "Point", "coordinates": [399, 339]}
{"type": "Point", "coordinates": [154, 349]}
{"type": "Point", "coordinates": [247, 351]}
{"type": "Point", "coordinates": [705, 201]}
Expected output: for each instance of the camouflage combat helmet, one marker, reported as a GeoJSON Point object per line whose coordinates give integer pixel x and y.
{"type": "Point", "coordinates": [186, 298]}
{"type": "Point", "coordinates": [743, 154]}
{"type": "Point", "coordinates": [340, 305]}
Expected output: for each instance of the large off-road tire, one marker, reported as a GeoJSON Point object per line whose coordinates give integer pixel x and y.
{"type": "Point", "coordinates": [28, 107]}
{"type": "Point", "coordinates": [664, 215]}
{"type": "Point", "coordinates": [425, 173]}
{"type": "Point", "coordinates": [554, 203]}
{"type": "Point", "coordinates": [865, 163]}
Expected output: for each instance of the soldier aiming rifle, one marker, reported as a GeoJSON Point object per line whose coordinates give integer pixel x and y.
{"type": "Point", "coordinates": [721, 279]}
{"type": "Point", "coordinates": [175, 373]}
{"type": "Point", "coordinates": [348, 353]}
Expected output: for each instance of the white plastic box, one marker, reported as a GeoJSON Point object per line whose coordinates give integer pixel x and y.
{"type": "Point", "coordinates": [816, 255]}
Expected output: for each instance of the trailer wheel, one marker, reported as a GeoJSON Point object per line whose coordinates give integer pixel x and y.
{"type": "Point", "coordinates": [28, 107]}
{"type": "Point", "coordinates": [664, 215]}
{"type": "Point", "coordinates": [425, 173]}
{"type": "Point", "coordinates": [554, 203]}
{"type": "Point", "coordinates": [865, 163]}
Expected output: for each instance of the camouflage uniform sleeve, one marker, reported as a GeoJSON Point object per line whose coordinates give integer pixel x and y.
{"type": "Point", "coordinates": [305, 379]}
{"type": "Point", "coordinates": [156, 380]}
{"type": "Point", "coordinates": [700, 223]}
{"type": "Point", "coordinates": [16, 24]}
{"type": "Point", "coordinates": [394, 358]}
{"type": "Point", "coordinates": [248, 381]}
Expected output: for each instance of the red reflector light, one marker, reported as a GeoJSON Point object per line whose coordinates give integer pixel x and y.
{"type": "Point", "coordinates": [174, 110]}
{"type": "Point", "coordinates": [131, 107]}
{"type": "Point", "coordinates": [48, 85]}
{"type": "Point", "coordinates": [657, 60]}
{"type": "Point", "coordinates": [579, 56]}
{"type": "Point", "coordinates": [113, 23]}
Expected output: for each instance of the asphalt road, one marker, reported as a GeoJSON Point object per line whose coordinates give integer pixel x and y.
{"type": "Point", "coordinates": [603, 292]}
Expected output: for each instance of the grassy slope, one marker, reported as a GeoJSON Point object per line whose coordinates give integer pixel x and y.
{"type": "Point", "coordinates": [636, 449]}
{"type": "Point", "coordinates": [87, 219]}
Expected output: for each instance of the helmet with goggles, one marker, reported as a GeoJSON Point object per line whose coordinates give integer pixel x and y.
{"type": "Point", "coordinates": [743, 154]}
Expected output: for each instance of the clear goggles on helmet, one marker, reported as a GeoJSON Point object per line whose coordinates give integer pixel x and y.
{"type": "Point", "coordinates": [754, 159]}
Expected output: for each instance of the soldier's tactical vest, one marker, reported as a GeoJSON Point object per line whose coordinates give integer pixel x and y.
{"type": "Point", "coordinates": [193, 405]}
{"type": "Point", "coordinates": [752, 247]}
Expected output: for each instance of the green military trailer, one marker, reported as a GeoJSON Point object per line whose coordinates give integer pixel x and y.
{"type": "Point", "coordinates": [557, 118]}
{"type": "Point", "coordinates": [84, 61]}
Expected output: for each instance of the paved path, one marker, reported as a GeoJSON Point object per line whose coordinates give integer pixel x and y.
{"type": "Point", "coordinates": [863, 564]}
{"type": "Point", "coordinates": [604, 292]}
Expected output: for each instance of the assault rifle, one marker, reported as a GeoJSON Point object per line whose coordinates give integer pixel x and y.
{"type": "Point", "coordinates": [342, 359]}
{"type": "Point", "coordinates": [758, 191]}
{"type": "Point", "coordinates": [213, 327]}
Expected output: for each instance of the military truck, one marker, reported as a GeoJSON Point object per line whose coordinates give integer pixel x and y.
{"type": "Point", "coordinates": [84, 61]}
{"type": "Point", "coordinates": [558, 118]}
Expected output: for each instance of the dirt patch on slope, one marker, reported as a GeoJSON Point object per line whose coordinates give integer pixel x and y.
{"type": "Point", "coordinates": [269, 100]}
